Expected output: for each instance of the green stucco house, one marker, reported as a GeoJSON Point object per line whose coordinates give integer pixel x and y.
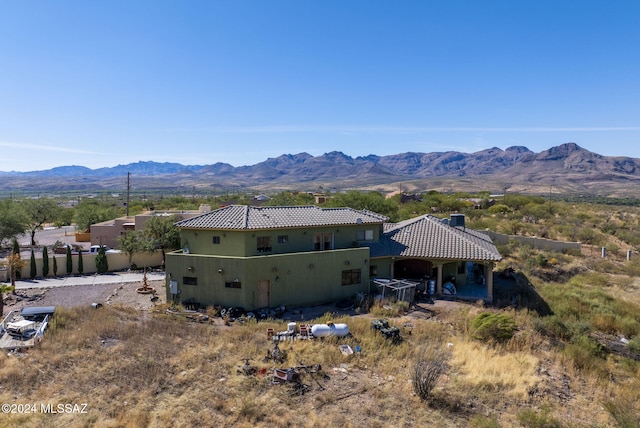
{"type": "Point", "coordinates": [257, 257]}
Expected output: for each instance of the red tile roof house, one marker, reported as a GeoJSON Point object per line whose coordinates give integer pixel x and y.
{"type": "Point", "coordinates": [256, 257]}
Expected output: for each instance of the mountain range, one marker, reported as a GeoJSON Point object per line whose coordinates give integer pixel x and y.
{"type": "Point", "coordinates": [567, 168]}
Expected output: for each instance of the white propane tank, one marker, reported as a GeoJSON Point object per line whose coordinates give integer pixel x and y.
{"type": "Point", "coordinates": [291, 327]}
{"type": "Point", "coordinates": [321, 330]}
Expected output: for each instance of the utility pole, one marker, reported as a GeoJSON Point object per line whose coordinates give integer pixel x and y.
{"type": "Point", "coordinates": [128, 190]}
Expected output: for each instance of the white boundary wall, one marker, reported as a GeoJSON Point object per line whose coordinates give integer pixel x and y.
{"type": "Point", "coordinates": [117, 262]}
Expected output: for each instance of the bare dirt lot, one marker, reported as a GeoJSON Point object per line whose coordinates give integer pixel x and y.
{"type": "Point", "coordinates": [79, 295]}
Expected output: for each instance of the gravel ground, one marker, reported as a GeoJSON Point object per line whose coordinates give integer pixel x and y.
{"type": "Point", "coordinates": [80, 295]}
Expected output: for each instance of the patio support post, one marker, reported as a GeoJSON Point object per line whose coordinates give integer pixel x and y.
{"type": "Point", "coordinates": [438, 278]}
{"type": "Point", "coordinates": [488, 275]}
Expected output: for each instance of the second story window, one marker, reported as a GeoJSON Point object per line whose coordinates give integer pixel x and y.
{"type": "Point", "coordinates": [323, 241]}
{"type": "Point", "coordinates": [364, 235]}
{"type": "Point", "coordinates": [264, 244]}
{"type": "Point", "coordinates": [216, 239]}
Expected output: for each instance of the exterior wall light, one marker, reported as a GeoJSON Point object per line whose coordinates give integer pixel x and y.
{"type": "Point", "coordinates": [220, 271]}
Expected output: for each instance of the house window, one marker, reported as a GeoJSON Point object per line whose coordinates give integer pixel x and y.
{"type": "Point", "coordinates": [323, 241]}
{"type": "Point", "coordinates": [283, 239]}
{"type": "Point", "coordinates": [264, 243]}
{"type": "Point", "coordinates": [364, 235]}
{"type": "Point", "coordinates": [233, 284]}
{"type": "Point", "coordinates": [351, 277]}
{"type": "Point", "coordinates": [216, 239]}
{"type": "Point", "coordinates": [189, 280]}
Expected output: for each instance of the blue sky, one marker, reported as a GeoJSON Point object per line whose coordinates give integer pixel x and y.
{"type": "Point", "coordinates": [197, 82]}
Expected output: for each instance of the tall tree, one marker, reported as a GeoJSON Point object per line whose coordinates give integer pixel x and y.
{"type": "Point", "coordinates": [102, 263]}
{"type": "Point", "coordinates": [17, 263]}
{"type": "Point", "coordinates": [69, 261]}
{"type": "Point", "coordinates": [12, 220]}
{"type": "Point", "coordinates": [162, 233]}
{"type": "Point", "coordinates": [372, 201]}
{"type": "Point", "coordinates": [14, 266]}
{"type": "Point", "coordinates": [80, 263]}
{"type": "Point", "coordinates": [38, 212]}
{"type": "Point", "coordinates": [45, 262]}
{"type": "Point", "coordinates": [91, 211]}
{"type": "Point", "coordinates": [55, 265]}
{"type": "Point", "coordinates": [133, 242]}
{"type": "Point", "coordinates": [33, 271]}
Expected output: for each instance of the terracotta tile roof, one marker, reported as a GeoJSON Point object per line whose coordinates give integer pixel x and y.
{"type": "Point", "coordinates": [240, 217]}
{"type": "Point", "coordinates": [429, 237]}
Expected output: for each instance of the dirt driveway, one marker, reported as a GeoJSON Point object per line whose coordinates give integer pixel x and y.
{"type": "Point", "coordinates": [84, 295]}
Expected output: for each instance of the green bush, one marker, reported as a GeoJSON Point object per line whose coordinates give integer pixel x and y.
{"type": "Point", "coordinates": [585, 353]}
{"type": "Point", "coordinates": [492, 326]}
{"type": "Point", "coordinates": [552, 326]}
{"type": "Point", "coordinates": [529, 418]}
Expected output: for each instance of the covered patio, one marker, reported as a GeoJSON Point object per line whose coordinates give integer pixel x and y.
{"type": "Point", "coordinates": [432, 252]}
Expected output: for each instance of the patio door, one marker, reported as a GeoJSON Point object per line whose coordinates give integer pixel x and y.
{"type": "Point", "coordinates": [264, 293]}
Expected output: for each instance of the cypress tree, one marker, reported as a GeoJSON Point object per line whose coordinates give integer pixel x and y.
{"type": "Point", "coordinates": [33, 272]}
{"type": "Point", "coordinates": [55, 266]}
{"type": "Point", "coordinates": [16, 251]}
{"type": "Point", "coordinates": [80, 264]}
{"type": "Point", "coordinates": [45, 262]}
{"type": "Point", "coordinates": [102, 263]}
{"type": "Point", "coordinates": [69, 261]}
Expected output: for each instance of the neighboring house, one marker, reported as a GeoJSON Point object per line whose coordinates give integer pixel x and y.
{"type": "Point", "coordinates": [256, 257]}
{"type": "Point", "coordinates": [107, 232]}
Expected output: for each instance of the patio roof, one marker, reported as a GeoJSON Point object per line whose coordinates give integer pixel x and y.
{"type": "Point", "coordinates": [429, 237]}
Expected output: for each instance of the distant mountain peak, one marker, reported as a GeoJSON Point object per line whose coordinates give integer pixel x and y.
{"type": "Point", "coordinates": [566, 163]}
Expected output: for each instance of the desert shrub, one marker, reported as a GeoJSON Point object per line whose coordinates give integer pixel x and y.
{"type": "Point", "coordinates": [551, 326]}
{"type": "Point", "coordinates": [605, 322]}
{"type": "Point", "coordinates": [624, 412]}
{"type": "Point", "coordinates": [631, 268]}
{"type": "Point", "coordinates": [529, 418]}
{"type": "Point", "coordinates": [499, 209]}
{"type": "Point", "coordinates": [634, 344]}
{"type": "Point", "coordinates": [480, 421]}
{"type": "Point", "coordinates": [389, 309]}
{"type": "Point", "coordinates": [492, 326]}
{"type": "Point", "coordinates": [540, 260]}
{"type": "Point", "coordinates": [628, 326]}
{"type": "Point", "coordinates": [584, 353]}
{"type": "Point", "coordinates": [432, 362]}
{"type": "Point", "coordinates": [572, 252]}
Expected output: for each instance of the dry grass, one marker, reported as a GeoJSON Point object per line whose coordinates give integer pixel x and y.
{"type": "Point", "coordinates": [136, 369]}
{"type": "Point", "coordinates": [491, 371]}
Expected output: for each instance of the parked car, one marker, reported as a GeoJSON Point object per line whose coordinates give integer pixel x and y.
{"type": "Point", "coordinates": [95, 248]}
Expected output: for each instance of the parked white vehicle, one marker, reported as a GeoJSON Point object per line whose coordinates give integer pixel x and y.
{"type": "Point", "coordinates": [95, 248]}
